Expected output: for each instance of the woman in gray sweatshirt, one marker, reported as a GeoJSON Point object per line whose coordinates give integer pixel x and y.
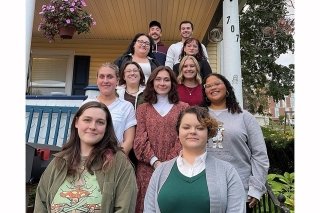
{"type": "Point", "coordinates": [239, 139]}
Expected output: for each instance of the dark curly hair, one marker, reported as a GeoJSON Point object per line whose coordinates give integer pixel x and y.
{"type": "Point", "coordinates": [231, 100]}
{"type": "Point", "coordinates": [150, 95]}
{"type": "Point", "coordinates": [134, 40]}
{"type": "Point", "coordinates": [203, 117]}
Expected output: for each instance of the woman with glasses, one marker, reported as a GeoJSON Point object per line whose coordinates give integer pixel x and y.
{"type": "Point", "coordinates": [140, 51]}
{"type": "Point", "coordinates": [239, 138]}
{"type": "Point", "coordinates": [131, 86]}
{"type": "Point", "coordinates": [131, 83]}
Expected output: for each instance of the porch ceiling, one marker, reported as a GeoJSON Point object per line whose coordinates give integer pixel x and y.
{"type": "Point", "coordinates": [122, 19]}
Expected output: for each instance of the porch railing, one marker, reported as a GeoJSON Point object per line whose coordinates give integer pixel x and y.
{"type": "Point", "coordinates": [270, 204]}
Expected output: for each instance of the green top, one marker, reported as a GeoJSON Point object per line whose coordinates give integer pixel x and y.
{"type": "Point", "coordinates": [117, 183]}
{"type": "Point", "coordinates": [78, 194]}
{"type": "Point", "coordinates": [183, 194]}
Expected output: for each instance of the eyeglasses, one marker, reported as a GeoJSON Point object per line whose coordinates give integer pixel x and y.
{"type": "Point", "coordinates": [215, 84]}
{"type": "Point", "coordinates": [130, 71]}
{"type": "Point", "coordinates": [147, 44]}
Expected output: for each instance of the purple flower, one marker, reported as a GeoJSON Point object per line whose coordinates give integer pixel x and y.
{"type": "Point", "coordinates": [68, 21]}
{"type": "Point", "coordinates": [72, 9]}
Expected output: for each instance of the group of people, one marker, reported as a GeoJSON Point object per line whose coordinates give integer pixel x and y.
{"type": "Point", "coordinates": [165, 134]}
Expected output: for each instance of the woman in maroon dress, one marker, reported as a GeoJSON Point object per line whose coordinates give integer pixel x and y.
{"type": "Point", "coordinates": [156, 139]}
{"type": "Point", "coordinates": [189, 81]}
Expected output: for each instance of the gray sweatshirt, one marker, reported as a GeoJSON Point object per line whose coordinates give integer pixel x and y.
{"type": "Point", "coordinates": [244, 147]}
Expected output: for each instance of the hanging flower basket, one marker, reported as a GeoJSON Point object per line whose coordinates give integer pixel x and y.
{"type": "Point", "coordinates": [66, 32]}
{"type": "Point", "coordinates": [64, 13]}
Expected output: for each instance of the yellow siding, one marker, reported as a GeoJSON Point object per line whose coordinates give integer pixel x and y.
{"type": "Point", "coordinates": [213, 56]}
{"type": "Point", "coordinates": [101, 51]}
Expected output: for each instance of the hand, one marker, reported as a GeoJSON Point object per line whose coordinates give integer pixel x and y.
{"type": "Point", "coordinates": [252, 201]}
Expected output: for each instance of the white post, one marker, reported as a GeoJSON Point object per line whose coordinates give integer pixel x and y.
{"type": "Point", "coordinates": [30, 5]}
{"type": "Point", "coordinates": [231, 47]}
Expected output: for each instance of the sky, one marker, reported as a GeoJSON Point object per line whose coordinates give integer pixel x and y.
{"type": "Point", "coordinates": [286, 59]}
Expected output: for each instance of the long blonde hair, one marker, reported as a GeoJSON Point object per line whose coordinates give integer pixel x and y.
{"type": "Point", "coordinates": [180, 77]}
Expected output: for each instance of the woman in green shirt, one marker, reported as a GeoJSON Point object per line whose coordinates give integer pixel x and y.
{"type": "Point", "coordinates": [91, 173]}
{"type": "Point", "coordinates": [195, 181]}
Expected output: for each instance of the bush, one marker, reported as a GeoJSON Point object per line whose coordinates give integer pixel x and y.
{"type": "Point", "coordinates": [283, 184]}
{"type": "Point", "coordinates": [280, 148]}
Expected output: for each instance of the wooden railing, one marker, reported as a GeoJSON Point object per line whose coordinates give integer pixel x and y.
{"type": "Point", "coordinates": [48, 124]}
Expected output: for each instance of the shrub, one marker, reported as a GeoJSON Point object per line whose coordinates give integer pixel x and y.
{"type": "Point", "coordinates": [280, 148]}
{"type": "Point", "coordinates": [283, 184]}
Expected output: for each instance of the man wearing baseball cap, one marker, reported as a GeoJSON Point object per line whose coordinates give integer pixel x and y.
{"type": "Point", "coordinates": [159, 50]}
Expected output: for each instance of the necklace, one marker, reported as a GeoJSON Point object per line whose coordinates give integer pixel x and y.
{"type": "Point", "coordinates": [132, 93]}
{"type": "Point", "coordinates": [189, 90]}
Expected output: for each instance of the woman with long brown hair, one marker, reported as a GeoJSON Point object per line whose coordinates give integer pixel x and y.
{"type": "Point", "coordinates": [90, 173]}
{"type": "Point", "coordinates": [156, 138]}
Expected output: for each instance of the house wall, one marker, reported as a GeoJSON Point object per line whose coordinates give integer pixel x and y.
{"type": "Point", "coordinates": [213, 56]}
{"type": "Point", "coordinates": [281, 107]}
{"type": "Point", "coordinates": [102, 51]}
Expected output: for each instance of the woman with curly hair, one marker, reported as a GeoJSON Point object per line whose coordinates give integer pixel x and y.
{"type": "Point", "coordinates": [195, 181]}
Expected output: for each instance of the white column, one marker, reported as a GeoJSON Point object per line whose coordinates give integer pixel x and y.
{"type": "Point", "coordinates": [231, 47]}
{"type": "Point", "coordinates": [30, 5]}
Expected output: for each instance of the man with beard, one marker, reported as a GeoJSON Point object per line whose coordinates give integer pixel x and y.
{"type": "Point", "coordinates": [159, 50]}
{"type": "Point", "coordinates": [174, 51]}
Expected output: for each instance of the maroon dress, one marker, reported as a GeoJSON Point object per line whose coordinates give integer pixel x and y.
{"type": "Point", "coordinates": [155, 136]}
{"type": "Point", "coordinates": [192, 96]}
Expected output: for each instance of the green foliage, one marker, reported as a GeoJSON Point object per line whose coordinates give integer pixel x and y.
{"type": "Point", "coordinates": [266, 33]}
{"type": "Point", "coordinates": [277, 138]}
{"type": "Point", "coordinates": [283, 184]}
{"type": "Point", "coordinates": [281, 119]}
{"type": "Point", "coordinates": [280, 148]}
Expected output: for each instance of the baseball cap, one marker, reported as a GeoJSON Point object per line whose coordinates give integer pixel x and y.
{"type": "Point", "coordinates": [154, 23]}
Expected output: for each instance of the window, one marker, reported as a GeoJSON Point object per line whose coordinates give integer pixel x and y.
{"type": "Point", "coordinates": [51, 73]}
{"type": "Point", "coordinates": [276, 112]}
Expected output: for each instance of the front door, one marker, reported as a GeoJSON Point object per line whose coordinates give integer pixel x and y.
{"type": "Point", "coordinates": [80, 74]}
